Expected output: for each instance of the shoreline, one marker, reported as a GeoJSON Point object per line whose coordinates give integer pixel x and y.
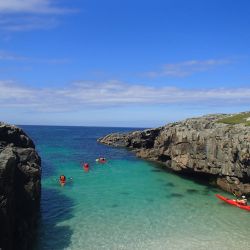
{"type": "Point", "coordinates": [196, 147]}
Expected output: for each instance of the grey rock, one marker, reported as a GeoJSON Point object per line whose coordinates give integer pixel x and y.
{"type": "Point", "coordinates": [20, 188]}
{"type": "Point", "coordinates": [196, 146]}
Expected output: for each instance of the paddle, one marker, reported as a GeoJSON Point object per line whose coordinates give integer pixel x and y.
{"type": "Point", "coordinates": [241, 200]}
{"type": "Point", "coordinates": [235, 196]}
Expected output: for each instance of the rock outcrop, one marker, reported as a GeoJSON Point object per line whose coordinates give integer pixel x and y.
{"type": "Point", "coordinates": [199, 147]}
{"type": "Point", "coordinates": [20, 188]}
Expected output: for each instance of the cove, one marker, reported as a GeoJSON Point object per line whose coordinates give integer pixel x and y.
{"type": "Point", "coordinates": [126, 203]}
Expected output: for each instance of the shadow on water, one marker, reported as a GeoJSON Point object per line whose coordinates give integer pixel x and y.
{"type": "Point", "coordinates": [206, 180]}
{"type": "Point", "coordinates": [203, 179]}
{"type": "Point", "coordinates": [149, 200]}
{"type": "Point", "coordinates": [210, 190]}
{"type": "Point", "coordinates": [169, 184]}
{"type": "Point", "coordinates": [55, 208]}
{"type": "Point", "coordinates": [49, 169]}
{"type": "Point", "coordinates": [156, 170]}
{"type": "Point", "coordinates": [192, 191]}
{"type": "Point", "coordinates": [205, 192]}
{"type": "Point", "coordinates": [175, 195]}
{"type": "Point", "coordinates": [124, 193]}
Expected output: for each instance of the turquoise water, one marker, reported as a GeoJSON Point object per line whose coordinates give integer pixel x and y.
{"type": "Point", "coordinates": [126, 203]}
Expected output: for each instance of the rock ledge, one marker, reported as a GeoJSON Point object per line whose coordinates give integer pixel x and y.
{"type": "Point", "coordinates": [197, 146]}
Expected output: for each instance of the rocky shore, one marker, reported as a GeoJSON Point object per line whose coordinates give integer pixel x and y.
{"type": "Point", "coordinates": [200, 147]}
{"type": "Point", "coordinates": [20, 188]}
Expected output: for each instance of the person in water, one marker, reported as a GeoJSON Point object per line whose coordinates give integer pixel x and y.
{"type": "Point", "coordinates": [62, 179]}
{"type": "Point", "coordinates": [86, 167]}
{"type": "Point", "coordinates": [101, 160]}
{"type": "Point", "coordinates": [242, 201]}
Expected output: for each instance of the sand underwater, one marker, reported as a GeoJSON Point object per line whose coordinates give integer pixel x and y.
{"type": "Point", "coordinates": [126, 203]}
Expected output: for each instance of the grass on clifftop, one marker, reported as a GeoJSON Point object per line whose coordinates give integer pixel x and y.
{"type": "Point", "coordinates": [237, 119]}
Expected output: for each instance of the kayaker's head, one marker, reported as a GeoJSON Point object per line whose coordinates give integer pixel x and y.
{"type": "Point", "coordinates": [62, 178]}
{"type": "Point", "coordinates": [243, 196]}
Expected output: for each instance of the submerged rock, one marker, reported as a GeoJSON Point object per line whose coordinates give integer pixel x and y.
{"type": "Point", "coordinates": [20, 188]}
{"type": "Point", "coordinates": [198, 146]}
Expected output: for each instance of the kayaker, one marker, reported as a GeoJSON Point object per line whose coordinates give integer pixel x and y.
{"type": "Point", "coordinates": [62, 179]}
{"type": "Point", "coordinates": [86, 167]}
{"type": "Point", "coordinates": [101, 160]}
{"type": "Point", "coordinates": [235, 202]}
{"type": "Point", "coordinates": [242, 201]}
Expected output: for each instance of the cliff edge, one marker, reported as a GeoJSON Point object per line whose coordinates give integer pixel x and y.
{"type": "Point", "coordinates": [20, 188]}
{"type": "Point", "coordinates": [210, 146]}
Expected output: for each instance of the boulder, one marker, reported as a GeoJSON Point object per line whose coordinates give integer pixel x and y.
{"type": "Point", "coordinates": [20, 188]}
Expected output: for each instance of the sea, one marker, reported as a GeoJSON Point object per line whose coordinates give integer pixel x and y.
{"type": "Point", "coordinates": [126, 203]}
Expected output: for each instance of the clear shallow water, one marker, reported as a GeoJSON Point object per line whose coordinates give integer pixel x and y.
{"type": "Point", "coordinates": [127, 203]}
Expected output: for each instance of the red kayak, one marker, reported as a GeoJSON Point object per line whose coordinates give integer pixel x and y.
{"type": "Point", "coordinates": [233, 202]}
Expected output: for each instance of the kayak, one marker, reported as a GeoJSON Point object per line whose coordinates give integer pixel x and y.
{"type": "Point", "coordinates": [233, 202]}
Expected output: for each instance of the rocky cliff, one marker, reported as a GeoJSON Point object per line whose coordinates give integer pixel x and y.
{"type": "Point", "coordinates": [20, 188]}
{"type": "Point", "coordinates": [198, 147]}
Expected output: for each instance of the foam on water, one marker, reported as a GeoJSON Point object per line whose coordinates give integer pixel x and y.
{"type": "Point", "coordinates": [127, 203]}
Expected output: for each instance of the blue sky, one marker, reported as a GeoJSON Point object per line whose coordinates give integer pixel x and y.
{"type": "Point", "coordinates": [122, 63]}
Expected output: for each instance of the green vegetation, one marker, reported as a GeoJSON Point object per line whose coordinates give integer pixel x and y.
{"type": "Point", "coordinates": [237, 119]}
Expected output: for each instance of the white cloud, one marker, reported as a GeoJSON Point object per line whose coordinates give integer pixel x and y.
{"type": "Point", "coordinates": [27, 15]}
{"type": "Point", "coordinates": [187, 68]}
{"type": "Point", "coordinates": [15, 23]}
{"type": "Point", "coordinates": [29, 6]}
{"type": "Point", "coordinates": [7, 56]}
{"type": "Point", "coordinates": [18, 92]}
{"type": "Point", "coordinates": [83, 95]}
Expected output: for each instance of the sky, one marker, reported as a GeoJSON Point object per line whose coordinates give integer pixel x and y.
{"type": "Point", "coordinates": [125, 63]}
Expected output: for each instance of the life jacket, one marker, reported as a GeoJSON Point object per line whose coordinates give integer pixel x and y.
{"type": "Point", "coordinates": [242, 202]}
{"type": "Point", "coordinates": [62, 179]}
{"type": "Point", "coordinates": [86, 165]}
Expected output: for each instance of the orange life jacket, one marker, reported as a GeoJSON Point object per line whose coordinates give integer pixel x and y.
{"type": "Point", "coordinates": [62, 179]}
